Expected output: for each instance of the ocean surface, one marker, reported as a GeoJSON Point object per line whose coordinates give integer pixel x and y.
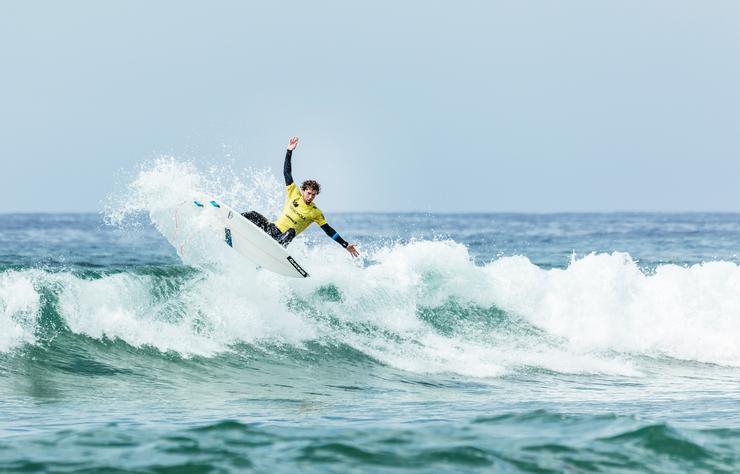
{"type": "Point", "coordinates": [457, 343]}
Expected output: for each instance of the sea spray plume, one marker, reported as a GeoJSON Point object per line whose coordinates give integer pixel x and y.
{"type": "Point", "coordinates": [167, 181]}
{"type": "Point", "coordinates": [159, 183]}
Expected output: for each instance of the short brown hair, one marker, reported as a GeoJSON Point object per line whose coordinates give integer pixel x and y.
{"type": "Point", "coordinates": [310, 183]}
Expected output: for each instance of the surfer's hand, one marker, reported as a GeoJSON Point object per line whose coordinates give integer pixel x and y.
{"type": "Point", "coordinates": [351, 249]}
{"type": "Point", "coordinates": [293, 143]}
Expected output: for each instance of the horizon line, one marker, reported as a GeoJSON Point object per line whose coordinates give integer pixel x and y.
{"type": "Point", "coordinates": [8, 213]}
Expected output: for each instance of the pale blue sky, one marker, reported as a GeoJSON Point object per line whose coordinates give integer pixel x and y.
{"type": "Point", "coordinates": [428, 106]}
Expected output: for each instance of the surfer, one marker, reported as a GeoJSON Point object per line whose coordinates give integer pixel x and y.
{"type": "Point", "coordinates": [299, 210]}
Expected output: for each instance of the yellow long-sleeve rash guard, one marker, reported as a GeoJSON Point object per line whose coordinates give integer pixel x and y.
{"type": "Point", "coordinates": [297, 214]}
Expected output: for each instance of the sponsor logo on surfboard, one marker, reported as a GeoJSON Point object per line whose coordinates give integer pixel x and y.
{"type": "Point", "coordinates": [229, 215]}
{"type": "Point", "coordinates": [297, 267]}
{"type": "Point", "coordinates": [227, 231]}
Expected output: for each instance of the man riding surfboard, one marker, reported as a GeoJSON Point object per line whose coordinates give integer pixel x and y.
{"type": "Point", "coordinates": [299, 210]}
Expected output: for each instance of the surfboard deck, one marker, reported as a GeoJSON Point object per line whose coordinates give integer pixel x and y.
{"type": "Point", "coordinates": [243, 236]}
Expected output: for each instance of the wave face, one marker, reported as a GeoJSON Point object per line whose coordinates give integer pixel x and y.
{"type": "Point", "coordinates": [424, 307]}
{"type": "Point", "coordinates": [576, 342]}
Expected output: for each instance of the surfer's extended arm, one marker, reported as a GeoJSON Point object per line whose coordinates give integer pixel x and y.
{"type": "Point", "coordinates": [335, 236]}
{"type": "Point", "coordinates": [287, 168]}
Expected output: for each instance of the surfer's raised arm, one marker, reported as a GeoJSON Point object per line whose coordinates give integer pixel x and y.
{"type": "Point", "coordinates": [287, 168]}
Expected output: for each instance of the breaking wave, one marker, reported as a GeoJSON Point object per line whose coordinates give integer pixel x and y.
{"type": "Point", "coordinates": [420, 306]}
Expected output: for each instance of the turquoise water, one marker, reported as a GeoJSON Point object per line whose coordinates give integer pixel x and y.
{"type": "Point", "coordinates": [458, 343]}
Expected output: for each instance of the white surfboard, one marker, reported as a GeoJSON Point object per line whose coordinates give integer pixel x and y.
{"type": "Point", "coordinates": [245, 238]}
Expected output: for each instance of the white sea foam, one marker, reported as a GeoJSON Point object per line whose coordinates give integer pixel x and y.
{"type": "Point", "coordinates": [409, 278]}
{"type": "Point", "coordinates": [19, 308]}
{"type": "Point", "coordinates": [605, 302]}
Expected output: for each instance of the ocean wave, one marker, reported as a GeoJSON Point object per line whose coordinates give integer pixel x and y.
{"type": "Point", "coordinates": [423, 307]}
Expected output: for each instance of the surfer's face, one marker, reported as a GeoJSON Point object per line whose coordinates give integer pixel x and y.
{"type": "Point", "coordinates": [308, 195]}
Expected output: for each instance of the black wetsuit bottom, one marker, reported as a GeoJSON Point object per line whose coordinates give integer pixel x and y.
{"type": "Point", "coordinates": [283, 238]}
